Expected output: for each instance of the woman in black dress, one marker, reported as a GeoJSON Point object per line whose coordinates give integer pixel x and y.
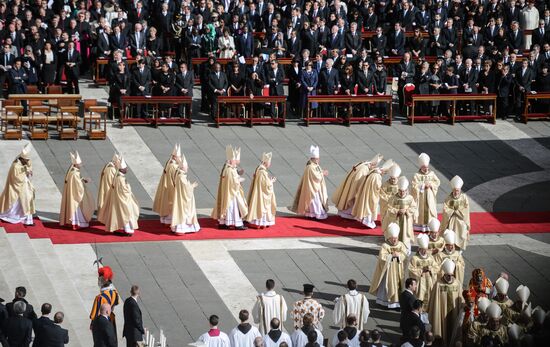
{"type": "Point", "coordinates": [417, 44]}
{"type": "Point", "coordinates": [153, 43]}
{"type": "Point", "coordinates": [237, 80]}
{"type": "Point", "coordinates": [486, 83]}
{"type": "Point", "coordinates": [119, 85]}
{"type": "Point", "coordinates": [294, 84]}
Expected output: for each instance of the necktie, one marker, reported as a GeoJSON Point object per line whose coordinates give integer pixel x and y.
{"type": "Point", "coordinates": [6, 58]}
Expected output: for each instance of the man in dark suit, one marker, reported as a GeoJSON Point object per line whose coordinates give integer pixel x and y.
{"type": "Point", "coordinates": [217, 84]}
{"type": "Point", "coordinates": [353, 40]}
{"type": "Point", "coordinates": [397, 40]}
{"type": "Point", "coordinates": [39, 324]}
{"type": "Point", "coordinates": [20, 293]}
{"type": "Point", "coordinates": [72, 68]}
{"type": "Point", "coordinates": [406, 16]}
{"type": "Point", "coordinates": [335, 40]}
{"type": "Point", "coordinates": [541, 35]}
{"type": "Point", "coordinates": [118, 40]}
{"type": "Point", "coordinates": [103, 43]}
{"type": "Point", "coordinates": [406, 70]}
{"type": "Point", "coordinates": [17, 328]}
{"type": "Point", "coordinates": [137, 40]}
{"type": "Point", "coordinates": [184, 87]}
{"type": "Point", "coordinates": [53, 335]}
{"type": "Point", "coordinates": [103, 331]}
{"type": "Point", "coordinates": [412, 319]}
{"type": "Point", "coordinates": [5, 65]}
{"type": "Point", "coordinates": [294, 46]}
{"type": "Point", "coordinates": [524, 78]}
{"type": "Point", "coordinates": [503, 92]}
{"type": "Point", "coordinates": [437, 44]}
{"type": "Point", "coordinates": [329, 82]}
{"type": "Point", "coordinates": [407, 297]}
{"type": "Point", "coordinates": [140, 84]}
{"type": "Point", "coordinates": [245, 43]}
{"type": "Point", "coordinates": [379, 42]}
{"type": "Point", "coordinates": [18, 79]}
{"type": "Point", "coordinates": [515, 38]}
{"type": "Point", "coordinates": [371, 19]}
{"type": "Point", "coordinates": [133, 324]}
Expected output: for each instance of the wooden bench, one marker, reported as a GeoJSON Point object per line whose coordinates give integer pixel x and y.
{"type": "Point", "coordinates": [452, 99]}
{"type": "Point", "coordinates": [345, 110]}
{"type": "Point", "coordinates": [250, 111]}
{"type": "Point", "coordinates": [157, 103]}
{"type": "Point", "coordinates": [68, 122]}
{"type": "Point", "coordinates": [12, 124]}
{"type": "Point", "coordinates": [540, 113]}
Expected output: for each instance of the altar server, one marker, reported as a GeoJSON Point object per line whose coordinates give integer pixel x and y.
{"type": "Point", "coordinates": [164, 197]}
{"type": "Point", "coordinates": [121, 209]}
{"type": "Point", "coordinates": [231, 207]}
{"type": "Point", "coordinates": [269, 305]}
{"type": "Point", "coordinates": [108, 174]}
{"type": "Point", "coordinates": [214, 337]}
{"type": "Point", "coordinates": [388, 279]}
{"type": "Point", "coordinates": [275, 337]}
{"type": "Point", "coordinates": [402, 211]}
{"type": "Point", "coordinates": [445, 305]}
{"type": "Point", "coordinates": [244, 334]}
{"type": "Point", "coordinates": [17, 199]}
{"type": "Point", "coordinates": [311, 198]}
{"type": "Point", "coordinates": [77, 204]}
{"type": "Point", "coordinates": [344, 196]}
{"type": "Point", "coordinates": [183, 216]}
{"type": "Point", "coordinates": [300, 337]}
{"type": "Point", "coordinates": [456, 213]}
{"type": "Point", "coordinates": [351, 303]}
{"type": "Point", "coordinates": [262, 205]}
{"type": "Point", "coordinates": [425, 185]}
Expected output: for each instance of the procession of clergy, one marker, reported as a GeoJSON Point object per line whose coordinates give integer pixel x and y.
{"type": "Point", "coordinates": [437, 266]}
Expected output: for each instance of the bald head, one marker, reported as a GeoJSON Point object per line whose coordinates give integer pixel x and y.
{"type": "Point", "coordinates": [105, 310]}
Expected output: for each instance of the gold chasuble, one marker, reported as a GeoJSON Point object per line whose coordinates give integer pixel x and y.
{"type": "Point", "coordinates": [425, 197]}
{"type": "Point", "coordinates": [444, 310]}
{"type": "Point", "coordinates": [184, 212]}
{"type": "Point", "coordinates": [229, 188]}
{"type": "Point", "coordinates": [18, 187]}
{"type": "Point", "coordinates": [312, 182]}
{"type": "Point", "coordinates": [405, 220]}
{"type": "Point", "coordinates": [456, 217]}
{"type": "Point", "coordinates": [121, 207]}
{"type": "Point", "coordinates": [262, 204]}
{"type": "Point", "coordinates": [344, 195]}
{"type": "Point", "coordinates": [75, 196]}
{"type": "Point", "coordinates": [108, 175]}
{"type": "Point", "coordinates": [164, 197]}
{"type": "Point", "coordinates": [387, 190]}
{"type": "Point", "coordinates": [424, 269]}
{"type": "Point", "coordinates": [388, 280]}
{"type": "Point", "coordinates": [368, 197]}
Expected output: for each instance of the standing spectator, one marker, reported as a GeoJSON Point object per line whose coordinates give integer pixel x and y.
{"type": "Point", "coordinates": [422, 83]}
{"type": "Point", "coordinates": [103, 331]}
{"type": "Point", "coordinates": [72, 68]}
{"type": "Point", "coordinates": [217, 84]}
{"type": "Point", "coordinates": [8, 59]}
{"type": "Point", "coordinates": [164, 25]}
{"type": "Point", "coordinates": [486, 84]}
{"type": "Point", "coordinates": [515, 38]}
{"type": "Point", "coordinates": [329, 83]}
{"type": "Point", "coordinates": [119, 85]}
{"type": "Point", "coordinates": [380, 84]}
{"type": "Point", "coordinates": [17, 328]}
{"type": "Point", "coordinates": [53, 335]}
{"type": "Point", "coordinates": [406, 70]}
{"type": "Point", "coordinates": [397, 40]}
{"type": "Point", "coordinates": [20, 293]}
{"type": "Point", "coordinates": [246, 43]}
{"type": "Point", "coordinates": [226, 45]}
{"type": "Point", "coordinates": [449, 86]}
{"type": "Point", "coordinates": [529, 19]}
{"type": "Point", "coordinates": [48, 67]}
{"type": "Point", "coordinates": [503, 92]}
{"type": "Point", "coordinates": [524, 77]}
{"type": "Point", "coordinates": [38, 325]}
{"type": "Point", "coordinates": [294, 85]}
{"type": "Point", "coordinates": [133, 324]}
{"type": "Point", "coordinates": [18, 78]}
{"type": "Point", "coordinates": [407, 297]}
{"type": "Point", "coordinates": [184, 86]}
{"type": "Point", "coordinates": [153, 43]}
{"type": "Point", "coordinates": [309, 85]}
{"type": "Point", "coordinates": [214, 337]}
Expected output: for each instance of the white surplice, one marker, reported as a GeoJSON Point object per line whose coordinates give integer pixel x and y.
{"type": "Point", "coordinates": [240, 339]}
{"type": "Point", "coordinates": [299, 338]}
{"type": "Point", "coordinates": [270, 341]}
{"type": "Point", "coordinates": [352, 341]}
{"type": "Point", "coordinates": [215, 338]}
{"type": "Point", "coordinates": [269, 305]}
{"type": "Point", "coordinates": [351, 303]}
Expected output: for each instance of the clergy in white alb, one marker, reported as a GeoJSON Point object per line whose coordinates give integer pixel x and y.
{"type": "Point", "coordinates": [351, 303]}
{"type": "Point", "coordinates": [121, 209]}
{"type": "Point", "coordinates": [269, 305]}
{"type": "Point", "coordinates": [17, 199]}
{"type": "Point", "coordinates": [456, 213]}
{"type": "Point", "coordinates": [388, 280]}
{"type": "Point", "coordinates": [214, 337]}
{"type": "Point", "coordinates": [423, 268]}
{"type": "Point", "coordinates": [389, 188]}
{"type": "Point", "coordinates": [402, 211]}
{"type": "Point", "coordinates": [244, 334]}
{"type": "Point", "coordinates": [367, 200]}
{"type": "Point", "coordinates": [311, 199]}
{"type": "Point", "coordinates": [262, 205]}
{"type": "Point", "coordinates": [344, 196]}
{"type": "Point", "coordinates": [77, 204]}
{"type": "Point", "coordinates": [183, 217]}
{"type": "Point", "coordinates": [230, 208]}
{"type": "Point", "coordinates": [450, 251]}
{"type": "Point", "coordinates": [276, 336]}
{"type": "Point", "coordinates": [300, 337]}
{"type": "Point", "coordinates": [425, 185]}
{"type": "Point", "coordinates": [164, 197]}
{"type": "Point", "coordinates": [108, 174]}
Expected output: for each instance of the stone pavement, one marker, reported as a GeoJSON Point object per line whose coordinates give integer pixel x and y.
{"type": "Point", "coordinates": [506, 167]}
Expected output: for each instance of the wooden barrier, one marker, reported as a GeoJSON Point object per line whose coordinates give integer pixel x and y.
{"type": "Point", "coordinates": [251, 111]}
{"type": "Point", "coordinates": [73, 98]}
{"type": "Point", "coordinates": [344, 109]}
{"type": "Point", "coordinates": [157, 103]}
{"type": "Point", "coordinates": [542, 112]}
{"type": "Point", "coordinates": [452, 98]}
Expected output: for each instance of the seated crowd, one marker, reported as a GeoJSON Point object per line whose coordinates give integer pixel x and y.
{"type": "Point", "coordinates": [316, 46]}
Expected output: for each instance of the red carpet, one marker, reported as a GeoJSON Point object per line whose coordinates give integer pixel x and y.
{"type": "Point", "coordinates": [152, 230]}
